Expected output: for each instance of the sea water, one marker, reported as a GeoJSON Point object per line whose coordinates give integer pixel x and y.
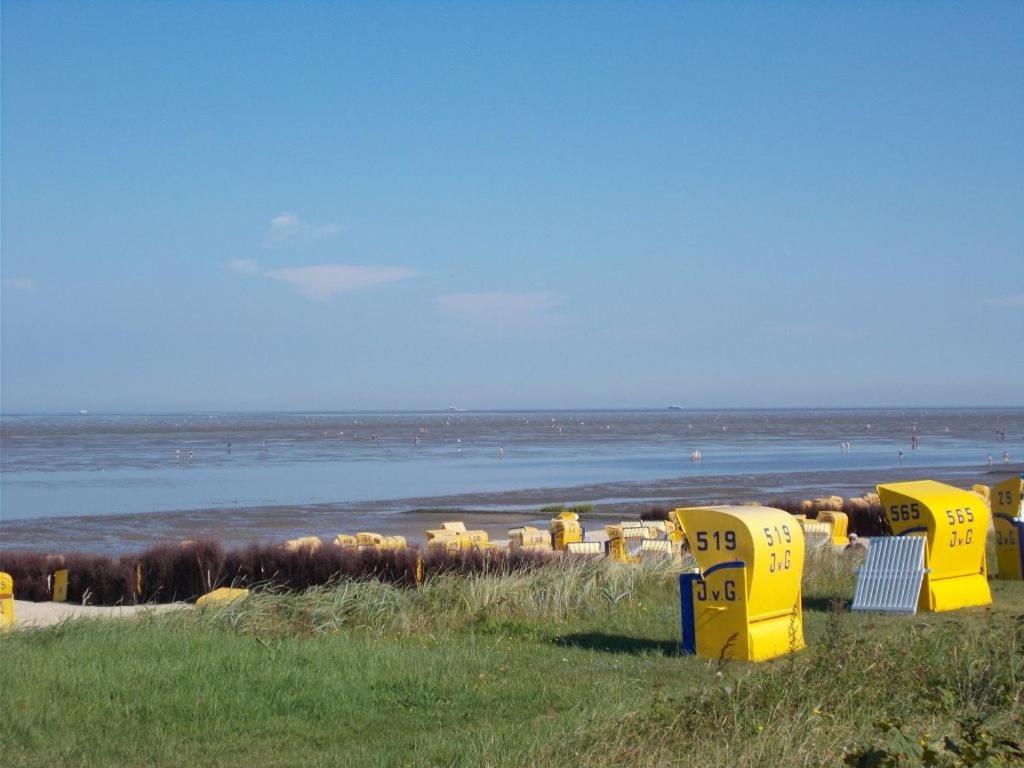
{"type": "Point", "coordinates": [115, 464]}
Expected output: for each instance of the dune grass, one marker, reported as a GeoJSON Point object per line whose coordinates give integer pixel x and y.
{"type": "Point", "coordinates": [561, 666]}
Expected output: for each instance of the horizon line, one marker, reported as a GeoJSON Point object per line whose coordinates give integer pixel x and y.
{"type": "Point", "coordinates": [543, 409]}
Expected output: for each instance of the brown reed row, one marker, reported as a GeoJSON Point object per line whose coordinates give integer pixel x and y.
{"type": "Point", "coordinates": [866, 517]}
{"type": "Point", "coordinates": [169, 573]}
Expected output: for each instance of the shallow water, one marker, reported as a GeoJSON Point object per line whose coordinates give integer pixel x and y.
{"type": "Point", "coordinates": [92, 465]}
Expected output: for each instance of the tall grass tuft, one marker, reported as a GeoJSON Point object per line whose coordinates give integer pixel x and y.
{"type": "Point", "coordinates": [447, 601]}
{"type": "Point", "coordinates": [484, 562]}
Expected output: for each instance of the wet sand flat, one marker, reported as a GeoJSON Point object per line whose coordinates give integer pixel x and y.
{"type": "Point", "coordinates": [494, 512]}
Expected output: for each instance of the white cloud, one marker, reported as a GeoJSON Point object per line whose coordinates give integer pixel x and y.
{"type": "Point", "coordinates": [245, 266]}
{"type": "Point", "coordinates": [501, 306]}
{"type": "Point", "coordinates": [20, 283]}
{"type": "Point", "coordinates": [321, 282]}
{"type": "Point", "coordinates": [289, 229]}
{"type": "Point", "coordinates": [324, 281]}
{"type": "Point", "coordinates": [1016, 300]}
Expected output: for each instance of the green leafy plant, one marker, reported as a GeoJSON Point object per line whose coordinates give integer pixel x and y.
{"type": "Point", "coordinates": [976, 744]}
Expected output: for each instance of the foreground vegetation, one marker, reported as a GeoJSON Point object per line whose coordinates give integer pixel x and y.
{"type": "Point", "coordinates": [558, 666]}
{"type": "Point", "coordinates": [174, 572]}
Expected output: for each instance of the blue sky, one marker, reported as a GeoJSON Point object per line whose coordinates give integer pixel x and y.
{"type": "Point", "coordinates": [327, 205]}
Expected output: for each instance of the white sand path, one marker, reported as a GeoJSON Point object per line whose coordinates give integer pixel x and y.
{"type": "Point", "coordinates": [28, 614]}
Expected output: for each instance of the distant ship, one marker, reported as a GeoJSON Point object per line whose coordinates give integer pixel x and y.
{"type": "Point", "coordinates": [83, 411]}
{"type": "Point", "coordinates": [453, 409]}
{"type": "Point", "coordinates": [675, 407]}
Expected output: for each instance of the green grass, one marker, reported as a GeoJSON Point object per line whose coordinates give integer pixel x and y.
{"type": "Point", "coordinates": [563, 667]}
